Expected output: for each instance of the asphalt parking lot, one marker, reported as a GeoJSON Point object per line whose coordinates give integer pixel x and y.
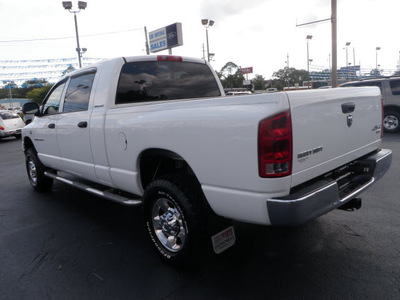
{"type": "Point", "coordinates": [67, 244]}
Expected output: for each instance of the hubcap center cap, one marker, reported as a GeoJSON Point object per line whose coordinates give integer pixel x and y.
{"type": "Point", "coordinates": [169, 224]}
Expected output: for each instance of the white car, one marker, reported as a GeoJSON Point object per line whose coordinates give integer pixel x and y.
{"type": "Point", "coordinates": [10, 124]}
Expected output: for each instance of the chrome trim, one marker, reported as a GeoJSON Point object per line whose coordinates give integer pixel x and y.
{"type": "Point", "coordinates": [105, 194]}
{"type": "Point", "coordinates": [324, 196]}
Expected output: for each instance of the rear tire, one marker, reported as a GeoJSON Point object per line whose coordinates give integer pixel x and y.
{"type": "Point", "coordinates": [35, 171]}
{"type": "Point", "coordinates": [171, 214]}
{"type": "Point", "coordinates": [391, 121]}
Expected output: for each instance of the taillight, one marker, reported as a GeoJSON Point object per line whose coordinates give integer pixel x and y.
{"type": "Point", "coordinates": [169, 58]}
{"type": "Point", "coordinates": [275, 146]}
{"type": "Point", "coordinates": [1, 128]}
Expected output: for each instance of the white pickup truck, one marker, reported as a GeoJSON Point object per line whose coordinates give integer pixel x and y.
{"type": "Point", "coordinates": [158, 131]}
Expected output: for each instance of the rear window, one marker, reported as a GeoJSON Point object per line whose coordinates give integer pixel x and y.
{"type": "Point", "coordinates": [395, 87]}
{"type": "Point", "coordinates": [8, 116]}
{"type": "Point", "coordinates": [165, 80]}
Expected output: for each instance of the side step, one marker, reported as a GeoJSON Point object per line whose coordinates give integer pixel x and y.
{"type": "Point", "coordinates": [105, 194]}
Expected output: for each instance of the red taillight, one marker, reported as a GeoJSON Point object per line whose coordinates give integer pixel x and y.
{"type": "Point", "coordinates": [1, 128]}
{"type": "Point", "coordinates": [275, 146]}
{"type": "Point", "coordinates": [169, 58]}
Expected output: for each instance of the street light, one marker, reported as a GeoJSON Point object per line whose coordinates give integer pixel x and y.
{"type": "Point", "coordinates": [347, 53]}
{"type": "Point", "coordinates": [377, 49]}
{"type": "Point", "coordinates": [309, 37]}
{"type": "Point", "coordinates": [347, 60]}
{"type": "Point", "coordinates": [207, 23]}
{"type": "Point", "coordinates": [81, 5]}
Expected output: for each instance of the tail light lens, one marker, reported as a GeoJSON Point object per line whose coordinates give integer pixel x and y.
{"type": "Point", "coordinates": [1, 128]}
{"type": "Point", "coordinates": [275, 146]}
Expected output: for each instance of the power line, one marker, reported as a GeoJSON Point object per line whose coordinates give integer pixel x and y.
{"type": "Point", "coordinates": [69, 37]}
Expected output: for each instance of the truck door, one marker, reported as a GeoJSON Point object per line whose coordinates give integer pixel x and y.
{"type": "Point", "coordinates": [44, 131]}
{"type": "Point", "coordinates": [73, 127]}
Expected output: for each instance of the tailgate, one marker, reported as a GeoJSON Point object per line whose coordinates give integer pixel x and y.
{"type": "Point", "coordinates": [333, 127]}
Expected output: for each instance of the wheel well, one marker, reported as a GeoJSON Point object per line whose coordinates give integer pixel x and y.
{"type": "Point", "coordinates": [28, 144]}
{"type": "Point", "coordinates": [392, 108]}
{"type": "Point", "coordinates": [154, 163]}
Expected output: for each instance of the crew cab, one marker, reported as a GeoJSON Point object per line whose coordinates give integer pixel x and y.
{"type": "Point", "coordinates": [158, 131]}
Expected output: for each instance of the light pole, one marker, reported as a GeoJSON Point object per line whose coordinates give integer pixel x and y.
{"type": "Point", "coordinates": [347, 59]}
{"type": "Point", "coordinates": [81, 5]}
{"type": "Point", "coordinates": [207, 23]}
{"type": "Point", "coordinates": [347, 53]}
{"type": "Point", "coordinates": [377, 49]}
{"type": "Point", "coordinates": [309, 37]}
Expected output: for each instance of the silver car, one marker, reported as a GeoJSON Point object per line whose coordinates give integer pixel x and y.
{"type": "Point", "coordinates": [10, 124]}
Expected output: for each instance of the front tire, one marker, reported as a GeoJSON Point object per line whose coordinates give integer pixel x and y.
{"type": "Point", "coordinates": [171, 214]}
{"type": "Point", "coordinates": [35, 171]}
{"type": "Point", "coordinates": [391, 121]}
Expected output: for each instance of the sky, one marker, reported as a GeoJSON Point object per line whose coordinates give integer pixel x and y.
{"type": "Point", "coordinates": [259, 33]}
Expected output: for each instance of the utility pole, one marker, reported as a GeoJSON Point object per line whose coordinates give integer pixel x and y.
{"type": "Point", "coordinates": [334, 43]}
{"type": "Point", "coordinates": [333, 20]}
{"type": "Point", "coordinates": [147, 41]}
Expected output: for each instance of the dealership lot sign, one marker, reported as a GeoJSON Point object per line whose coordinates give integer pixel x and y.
{"type": "Point", "coordinates": [166, 38]}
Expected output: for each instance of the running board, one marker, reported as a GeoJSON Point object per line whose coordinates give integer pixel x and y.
{"type": "Point", "coordinates": [105, 194]}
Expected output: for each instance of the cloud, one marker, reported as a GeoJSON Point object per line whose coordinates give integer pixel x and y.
{"type": "Point", "coordinates": [220, 9]}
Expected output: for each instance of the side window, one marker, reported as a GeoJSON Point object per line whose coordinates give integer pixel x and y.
{"type": "Point", "coordinates": [52, 103]}
{"type": "Point", "coordinates": [78, 93]}
{"type": "Point", "coordinates": [395, 87]}
{"type": "Point", "coordinates": [372, 83]}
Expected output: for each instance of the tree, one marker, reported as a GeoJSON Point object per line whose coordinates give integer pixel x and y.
{"type": "Point", "coordinates": [68, 70]}
{"type": "Point", "coordinates": [259, 82]}
{"type": "Point", "coordinates": [290, 77]}
{"type": "Point", "coordinates": [230, 76]}
{"type": "Point", "coordinates": [38, 94]}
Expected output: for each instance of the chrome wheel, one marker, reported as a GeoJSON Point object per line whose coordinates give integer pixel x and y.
{"type": "Point", "coordinates": [35, 171]}
{"type": "Point", "coordinates": [32, 171]}
{"type": "Point", "coordinates": [168, 224]}
{"type": "Point", "coordinates": [391, 122]}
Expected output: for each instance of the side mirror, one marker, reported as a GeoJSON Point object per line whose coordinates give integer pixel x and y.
{"type": "Point", "coordinates": [30, 108]}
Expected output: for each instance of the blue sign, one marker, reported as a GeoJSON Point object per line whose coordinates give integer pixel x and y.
{"type": "Point", "coordinates": [166, 37]}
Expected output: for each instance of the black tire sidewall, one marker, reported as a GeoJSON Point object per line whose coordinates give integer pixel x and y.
{"type": "Point", "coordinates": [43, 183]}
{"type": "Point", "coordinates": [165, 188]}
{"type": "Point", "coordinates": [392, 113]}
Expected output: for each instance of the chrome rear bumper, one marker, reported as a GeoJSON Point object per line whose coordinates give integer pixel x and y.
{"type": "Point", "coordinates": [321, 196]}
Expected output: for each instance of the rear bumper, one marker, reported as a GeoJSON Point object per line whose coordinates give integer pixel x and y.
{"type": "Point", "coordinates": [6, 133]}
{"type": "Point", "coordinates": [324, 195]}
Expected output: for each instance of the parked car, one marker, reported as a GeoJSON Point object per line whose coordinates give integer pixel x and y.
{"type": "Point", "coordinates": [10, 124]}
{"type": "Point", "coordinates": [390, 90]}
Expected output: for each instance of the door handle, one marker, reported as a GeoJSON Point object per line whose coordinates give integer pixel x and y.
{"type": "Point", "coordinates": [348, 107]}
{"type": "Point", "coordinates": [51, 125]}
{"type": "Point", "coordinates": [82, 124]}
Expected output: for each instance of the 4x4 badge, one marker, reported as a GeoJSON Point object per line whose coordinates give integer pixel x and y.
{"type": "Point", "coordinates": [349, 120]}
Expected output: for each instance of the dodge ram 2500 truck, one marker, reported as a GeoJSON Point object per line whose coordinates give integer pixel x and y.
{"type": "Point", "coordinates": [158, 131]}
